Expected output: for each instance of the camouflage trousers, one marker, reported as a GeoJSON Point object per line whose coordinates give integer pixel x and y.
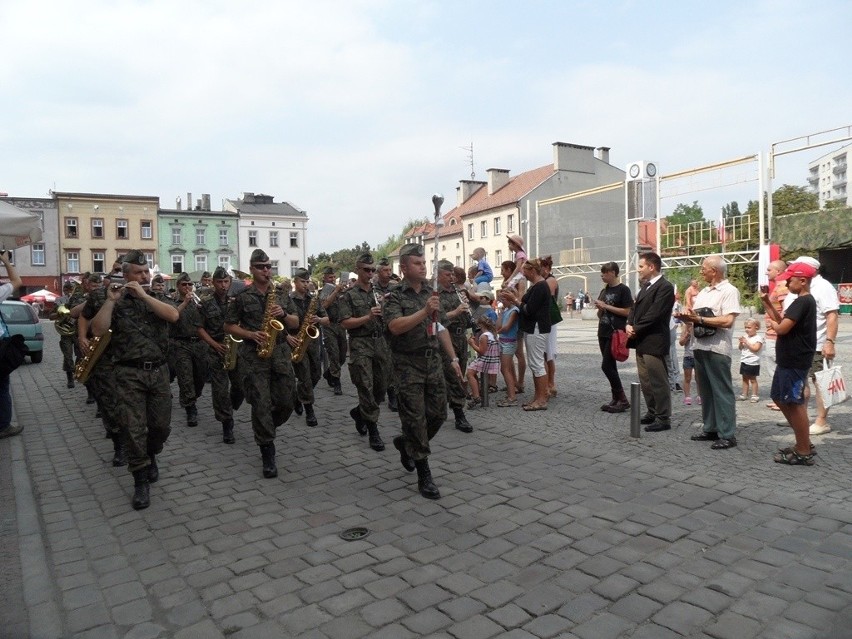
{"type": "Point", "coordinates": [269, 387]}
{"type": "Point", "coordinates": [422, 400]}
{"type": "Point", "coordinates": [456, 395]}
{"type": "Point", "coordinates": [189, 362]}
{"type": "Point", "coordinates": [144, 412]}
{"type": "Point", "coordinates": [389, 371]}
{"type": "Point", "coordinates": [104, 388]}
{"type": "Point", "coordinates": [334, 340]}
{"type": "Point", "coordinates": [68, 347]}
{"type": "Point", "coordinates": [368, 366]}
{"type": "Point", "coordinates": [221, 382]}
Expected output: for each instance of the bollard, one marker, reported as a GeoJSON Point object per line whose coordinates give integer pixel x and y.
{"type": "Point", "coordinates": [483, 389]}
{"type": "Point", "coordinates": [635, 403]}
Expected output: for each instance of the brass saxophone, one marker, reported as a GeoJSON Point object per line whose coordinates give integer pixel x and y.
{"type": "Point", "coordinates": [229, 361]}
{"type": "Point", "coordinates": [271, 326]}
{"type": "Point", "coordinates": [307, 331]}
{"type": "Point", "coordinates": [85, 366]}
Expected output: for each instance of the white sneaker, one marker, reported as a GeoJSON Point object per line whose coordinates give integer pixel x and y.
{"type": "Point", "coordinates": [819, 430]}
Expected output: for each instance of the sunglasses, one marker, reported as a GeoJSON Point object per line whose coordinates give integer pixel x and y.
{"type": "Point", "coordinates": [262, 267]}
{"type": "Point", "coordinates": [368, 269]}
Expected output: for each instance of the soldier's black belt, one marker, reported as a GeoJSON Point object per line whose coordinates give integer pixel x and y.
{"type": "Point", "coordinates": [187, 339]}
{"type": "Point", "coordinates": [426, 353]}
{"type": "Point", "coordinates": [459, 330]}
{"type": "Point", "coordinates": [145, 365]}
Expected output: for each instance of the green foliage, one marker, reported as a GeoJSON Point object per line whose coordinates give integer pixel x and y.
{"type": "Point", "coordinates": [835, 204]}
{"type": "Point", "coordinates": [731, 210]}
{"type": "Point", "coordinates": [789, 199]}
{"type": "Point", "coordinates": [686, 213]}
{"type": "Point", "coordinates": [393, 242]}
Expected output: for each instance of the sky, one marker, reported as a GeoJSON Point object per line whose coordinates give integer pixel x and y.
{"type": "Point", "coordinates": [357, 111]}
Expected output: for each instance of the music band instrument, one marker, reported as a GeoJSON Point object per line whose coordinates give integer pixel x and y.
{"type": "Point", "coordinates": [437, 201]}
{"type": "Point", "coordinates": [65, 325]}
{"type": "Point", "coordinates": [86, 364]}
{"type": "Point", "coordinates": [229, 360]}
{"type": "Point", "coordinates": [307, 331]}
{"type": "Point", "coordinates": [271, 326]}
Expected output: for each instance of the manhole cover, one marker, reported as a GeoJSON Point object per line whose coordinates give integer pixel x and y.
{"type": "Point", "coordinates": [353, 534]}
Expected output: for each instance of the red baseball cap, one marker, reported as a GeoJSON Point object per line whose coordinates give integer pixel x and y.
{"type": "Point", "coordinates": [797, 269]}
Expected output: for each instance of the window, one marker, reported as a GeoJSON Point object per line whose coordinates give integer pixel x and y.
{"type": "Point", "coordinates": [294, 264]}
{"type": "Point", "coordinates": [223, 237]}
{"type": "Point", "coordinates": [71, 228]}
{"type": "Point", "coordinates": [121, 230]}
{"type": "Point", "coordinates": [252, 238]}
{"type": "Point", "coordinates": [98, 262]}
{"type": "Point", "coordinates": [458, 260]}
{"type": "Point", "coordinates": [274, 270]}
{"type": "Point", "coordinates": [510, 223]}
{"type": "Point", "coordinates": [470, 231]}
{"type": "Point", "coordinates": [200, 262]}
{"type": "Point", "coordinates": [177, 236]}
{"type": "Point", "coordinates": [36, 255]}
{"type": "Point", "coordinates": [72, 262]}
{"type": "Point", "coordinates": [225, 262]}
{"type": "Point", "coordinates": [146, 229]}
{"type": "Point", "coordinates": [177, 263]}
{"type": "Point", "coordinates": [498, 258]}
{"type": "Point", "coordinates": [200, 237]}
{"type": "Point", "coordinates": [496, 226]}
{"type": "Point", "coordinates": [97, 228]}
{"type": "Point", "coordinates": [273, 238]}
{"type": "Point", "coordinates": [483, 229]}
{"type": "Point", "coordinates": [294, 239]}
{"type": "Point", "coordinates": [149, 257]}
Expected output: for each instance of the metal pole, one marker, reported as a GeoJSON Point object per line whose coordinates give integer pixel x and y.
{"type": "Point", "coordinates": [483, 390]}
{"type": "Point", "coordinates": [635, 431]}
{"type": "Point", "coordinates": [760, 207]}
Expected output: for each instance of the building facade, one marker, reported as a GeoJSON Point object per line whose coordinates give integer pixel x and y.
{"type": "Point", "coordinates": [197, 240]}
{"type": "Point", "coordinates": [280, 229]}
{"type": "Point", "coordinates": [96, 230]}
{"type": "Point", "coordinates": [827, 177]}
{"type": "Point", "coordinates": [38, 263]}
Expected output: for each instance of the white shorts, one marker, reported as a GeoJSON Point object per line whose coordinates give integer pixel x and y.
{"type": "Point", "coordinates": [536, 344]}
{"type": "Point", "coordinates": [550, 351]}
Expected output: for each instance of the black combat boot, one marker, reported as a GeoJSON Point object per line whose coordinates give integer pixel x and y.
{"type": "Point", "coordinates": [90, 398]}
{"type": "Point", "coordinates": [70, 377]}
{"type": "Point", "coordinates": [392, 405]}
{"type": "Point", "coordinates": [153, 469]}
{"type": "Point", "coordinates": [310, 418]}
{"type": "Point", "coordinates": [191, 416]}
{"type": "Point", "coordinates": [141, 495]}
{"type": "Point", "coordinates": [376, 442]}
{"type": "Point", "coordinates": [267, 452]}
{"type": "Point", "coordinates": [298, 408]}
{"type": "Point", "coordinates": [120, 452]}
{"type": "Point", "coordinates": [336, 386]}
{"type": "Point", "coordinates": [228, 431]}
{"type": "Point", "coordinates": [404, 459]}
{"type": "Point", "coordinates": [461, 421]}
{"type": "Point", "coordinates": [424, 480]}
{"type": "Point", "coordinates": [355, 414]}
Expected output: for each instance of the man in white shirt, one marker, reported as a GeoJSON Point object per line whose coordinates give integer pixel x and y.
{"type": "Point", "coordinates": [6, 291]}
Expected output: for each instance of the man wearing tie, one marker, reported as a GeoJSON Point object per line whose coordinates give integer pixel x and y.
{"type": "Point", "coordinates": [648, 332]}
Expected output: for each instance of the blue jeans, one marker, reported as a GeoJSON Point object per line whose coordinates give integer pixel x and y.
{"type": "Point", "coordinates": [5, 403]}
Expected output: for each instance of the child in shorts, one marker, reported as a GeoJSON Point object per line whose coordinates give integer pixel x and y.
{"type": "Point", "coordinates": [488, 358]}
{"type": "Point", "coordinates": [507, 332]}
{"type": "Point", "coordinates": [751, 345]}
{"type": "Point", "coordinates": [687, 339]}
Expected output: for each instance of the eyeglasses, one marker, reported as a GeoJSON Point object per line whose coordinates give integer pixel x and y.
{"type": "Point", "coordinates": [262, 267]}
{"type": "Point", "coordinates": [186, 283]}
{"type": "Point", "coordinates": [367, 269]}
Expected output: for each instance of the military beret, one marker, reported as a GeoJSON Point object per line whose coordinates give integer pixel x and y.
{"type": "Point", "coordinates": [205, 274]}
{"type": "Point", "coordinates": [445, 265]}
{"type": "Point", "coordinates": [135, 257]}
{"type": "Point", "coordinates": [364, 258]}
{"type": "Point", "coordinates": [183, 277]}
{"type": "Point", "coordinates": [384, 262]}
{"type": "Point", "coordinates": [412, 249]}
{"type": "Point", "coordinates": [158, 278]}
{"type": "Point", "coordinates": [328, 271]}
{"type": "Point", "coordinates": [220, 273]}
{"type": "Point", "coordinates": [94, 278]}
{"type": "Point", "coordinates": [302, 274]}
{"type": "Point", "coordinates": [258, 255]}
{"type": "Point", "coordinates": [67, 285]}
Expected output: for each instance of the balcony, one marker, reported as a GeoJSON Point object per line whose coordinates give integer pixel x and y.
{"type": "Point", "coordinates": [839, 183]}
{"type": "Point", "coordinates": [813, 180]}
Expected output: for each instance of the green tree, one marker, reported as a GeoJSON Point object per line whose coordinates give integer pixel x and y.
{"type": "Point", "coordinates": [686, 213]}
{"type": "Point", "coordinates": [731, 210]}
{"type": "Point", "coordinates": [676, 232]}
{"type": "Point", "coordinates": [835, 204]}
{"type": "Point", "coordinates": [789, 199]}
{"type": "Point", "coordinates": [395, 241]}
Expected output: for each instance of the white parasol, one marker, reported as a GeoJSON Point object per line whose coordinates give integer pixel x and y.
{"type": "Point", "coordinates": [18, 227]}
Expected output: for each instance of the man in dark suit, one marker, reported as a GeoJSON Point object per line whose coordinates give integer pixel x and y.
{"type": "Point", "coordinates": [648, 332]}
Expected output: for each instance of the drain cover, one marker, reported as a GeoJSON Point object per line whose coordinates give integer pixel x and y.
{"type": "Point", "coordinates": [353, 534]}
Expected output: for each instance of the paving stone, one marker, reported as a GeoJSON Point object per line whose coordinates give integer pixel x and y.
{"type": "Point", "coordinates": [733, 626]}
{"type": "Point", "coordinates": [509, 616]}
{"type": "Point", "coordinates": [146, 630]}
{"type": "Point", "coordinates": [385, 611]}
{"type": "Point", "coordinates": [461, 608]}
{"type": "Point", "coordinates": [345, 627]}
{"type": "Point", "coordinates": [634, 607]}
{"type": "Point", "coordinates": [603, 626]}
{"type": "Point", "coordinates": [423, 596]}
{"type": "Point", "coordinates": [548, 626]}
{"type": "Point", "coordinates": [132, 612]}
{"type": "Point", "coordinates": [581, 608]}
{"type": "Point", "coordinates": [478, 627]}
{"type": "Point", "coordinates": [202, 630]}
{"type": "Point", "coordinates": [426, 621]}
{"type": "Point", "coordinates": [682, 618]}
{"type": "Point", "coordinates": [615, 587]}
{"type": "Point", "coordinates": [303, 619]}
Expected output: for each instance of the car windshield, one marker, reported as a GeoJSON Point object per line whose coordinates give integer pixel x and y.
{"type": "Point", "coordinates": [17, 314]}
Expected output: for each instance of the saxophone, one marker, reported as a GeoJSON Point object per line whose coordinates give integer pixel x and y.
{"type": "Point", "coordinates": [229, 362]}
{"type": "Point", "coordinates": [271, 326]}
{"type": "Point", "coordinates": [85, 366]}
{"type": "Point", "coordinates": [307, 331]}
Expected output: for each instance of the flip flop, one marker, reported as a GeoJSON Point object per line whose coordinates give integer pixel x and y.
{"type": "Point", "coordinates": [531, 407]}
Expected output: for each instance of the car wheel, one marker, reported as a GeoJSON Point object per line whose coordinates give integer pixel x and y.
{"type": "Point", "coordinates": [35, 356]}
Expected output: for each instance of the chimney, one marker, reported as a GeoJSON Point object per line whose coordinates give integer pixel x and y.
{"type": "Point", "coordinates": [178, 203]}
{"type": "Point", "coordinates": [188, 201]}
{"type": "Point", "coordinates": [466, 189]}
{"type": "Point", "coordinates": [497, 179]}
{"type": "Point", "coordinates": [248, 197]}
{"type": "Point", "coordinates": [205, 201]}
{"type": "Point", "coordinates": [603, 154]}
{"type": "Point", "coordinates": [573, 157]}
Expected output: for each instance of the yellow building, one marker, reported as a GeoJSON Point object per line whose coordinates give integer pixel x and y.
{"type": "Point", "coordinates": [96, 229]}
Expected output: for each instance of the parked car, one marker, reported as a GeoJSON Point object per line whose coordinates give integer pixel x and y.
{"type": "Point", "coordinates": [22, 319]}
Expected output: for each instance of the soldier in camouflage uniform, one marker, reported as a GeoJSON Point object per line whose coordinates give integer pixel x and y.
{"type": "Point", "coordinates": [421, 392]}
{"type": "Point", "coordinates": [212, 333]}
{"type": "Point", "coordinates": [384, 284]}
{"type": "Point", "coordinates": [89, 282]}
{"type": "Point", "coordinates": [138, 349]}
{"type": "Point", "coordinates": [334, 336]}
{"type": "Point", "coordinates": [361, 316]}
{"type": "Point", "coordinates": [458, 319]}
{"type": "Point", "coordinates": [268, 384]}
{"type": "Point", "coordinates": [67, 342]}
{"type": "Point", "coordinates": [188, 353]}
{"type": "Point", "coordinates": [309, 370]}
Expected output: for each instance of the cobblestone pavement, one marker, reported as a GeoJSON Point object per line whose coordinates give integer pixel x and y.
{"type": "Point", "coordinates": [552, 524]}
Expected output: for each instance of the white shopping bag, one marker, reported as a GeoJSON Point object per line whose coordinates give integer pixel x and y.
{"type": "Point", "coordinates": [831, 385]}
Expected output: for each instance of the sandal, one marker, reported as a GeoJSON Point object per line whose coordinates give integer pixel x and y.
{"type": "Point", "coordinates": [790, 449]}
{"type": "Point", "coordinates": [792, 458]}
{"type": "Point", "coordinates": [754, 399]}
{"type": "Point", "coordinates": [474, 403]}
{"type": "Point", "coordinates": [531, 407]}
{"type": "Point", "coordinates": [505, 403]}
{"type": "Point", "coordinates": [492, 389]}
{"type": "Point", "coordinates": [519, 390]}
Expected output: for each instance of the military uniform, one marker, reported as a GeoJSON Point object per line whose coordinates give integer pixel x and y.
{"type": "Point", "coordinates": [390, 375]}
{"type": "Point", "coordinates": [457, 328]}
{"type": "Point", "coordinates": [309, 370]}
{"type": "Point", "coordinates": [67, 343]}
{"type": "Point", "coordinates": [188, 355]}
{"type": "Point", "coordinates": [368, 357]}
{"type": "Point", "coordinates": [334, 336]}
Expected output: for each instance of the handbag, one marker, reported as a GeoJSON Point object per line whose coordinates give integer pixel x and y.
{"type": "Point", "coordinates": [831, 385]}
{"type": "Point", "coordinates": [618, 345]}
{"type": "Point", "coordinates": [703, 331]}
{"type": "Point", "coordinates": [13, 350]}
{"type": "Point", "coordinates": [555, 315]}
